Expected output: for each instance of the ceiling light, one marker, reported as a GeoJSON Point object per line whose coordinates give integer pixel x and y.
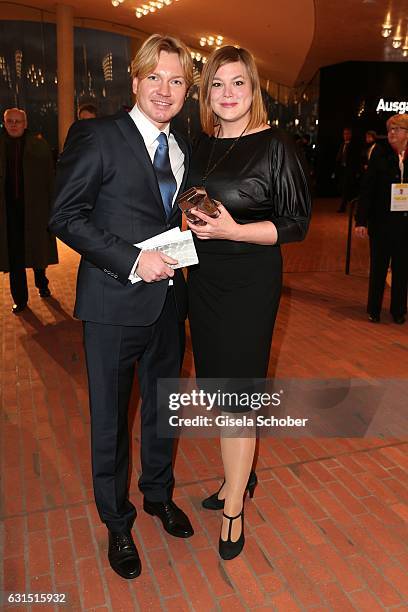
{"type": "Point", "coordinates": [198, 57]}
{"type": "Point", "coordinates": [405, 47]}
{"type": "Point", "coordinates": [397, 38]}
{"type": "Point", "coordinates": [146, 9]}
{"type": "Point", "coordinates": [386, 26]}
{"type": "Point", "coordinates": [216, 40]}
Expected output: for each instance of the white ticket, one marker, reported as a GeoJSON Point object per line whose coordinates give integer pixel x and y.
{"type": "Point", "coordinates": [175, 243]}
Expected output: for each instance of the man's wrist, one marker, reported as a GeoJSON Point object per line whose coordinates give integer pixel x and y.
{"type": "Point", "coordinates": [133, 272]}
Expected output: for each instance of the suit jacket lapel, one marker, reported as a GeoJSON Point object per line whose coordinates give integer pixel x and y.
{"type": "Point", "coordinates": [134, 139]}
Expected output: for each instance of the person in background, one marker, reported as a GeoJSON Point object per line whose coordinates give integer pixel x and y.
{"type": "Point", "coordinates": [387, 229]}
{"type": "Point", "coordinates": [369, 147]}
{"type": "Point", "coordinates": [234, 291]}
{"type": "Point", "coordinates": [26, 188]}
{"type": "Point", "coordinates": [347, 169]}
{"type": "Point", "coordinates": [87, 111]}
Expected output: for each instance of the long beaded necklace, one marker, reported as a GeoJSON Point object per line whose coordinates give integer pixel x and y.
{"type": "Point", "coordinates": [210, 168]}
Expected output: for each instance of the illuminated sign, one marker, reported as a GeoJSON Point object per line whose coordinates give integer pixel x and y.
{"type": "Point", "coordinates": [396, 107]}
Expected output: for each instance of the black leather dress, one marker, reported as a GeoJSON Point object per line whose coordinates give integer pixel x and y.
{"type": "Point", "coordinates": [235, 289]}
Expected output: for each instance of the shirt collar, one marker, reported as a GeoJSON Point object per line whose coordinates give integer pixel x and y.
{"type": "Point", "coordinates": [148, 131]}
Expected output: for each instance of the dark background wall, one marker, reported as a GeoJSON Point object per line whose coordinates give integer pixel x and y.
{"type": "Point", "coordinates": [349, 94]}
{"type": "Point", "coordinates": [30, 48]}
{"type": "Point", "coordinates": [28, 80]}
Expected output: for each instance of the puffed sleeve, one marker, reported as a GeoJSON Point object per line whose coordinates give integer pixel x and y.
{"type": "Point", "coordinates": [290, 190]}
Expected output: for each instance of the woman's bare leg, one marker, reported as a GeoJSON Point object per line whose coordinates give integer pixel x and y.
{"type": "Point", "coordinates": [237, 456]}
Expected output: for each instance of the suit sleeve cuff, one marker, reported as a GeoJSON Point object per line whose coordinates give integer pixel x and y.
{"type": "Point", "coordinates": [133, 277]}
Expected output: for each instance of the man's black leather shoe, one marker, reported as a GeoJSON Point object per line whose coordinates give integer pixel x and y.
{"type": "Point", "coordinates": [123, 556]}
{"type": "Point", "coordinates": [44, 293]}
{"type": "Point", "coordinates": [399, 320]}
{"type": "Point", "coordinates": [374, 318]}
{"type": "Point", "coordinates": [175, 522]}
{"type": "Point", "coordinates": [16, 308]}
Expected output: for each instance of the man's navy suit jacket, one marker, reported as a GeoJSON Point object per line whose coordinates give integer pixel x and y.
{"type": "Point", "coordinates": [108, 199]}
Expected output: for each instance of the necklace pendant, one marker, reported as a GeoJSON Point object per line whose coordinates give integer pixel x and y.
{"type": "Point", "coordinates": [210, 168]}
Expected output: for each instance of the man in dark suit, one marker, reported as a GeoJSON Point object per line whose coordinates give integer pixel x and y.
{"type": "Point", "coordinates": [117, 182]}
{"type": "Point", "coordinates": [347, 169]}
{"type": "Point", "coordinates": [370, 148]}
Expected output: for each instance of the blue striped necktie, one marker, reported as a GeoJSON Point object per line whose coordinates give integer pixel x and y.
{"type": "Point", "coordinates": [165, 177]}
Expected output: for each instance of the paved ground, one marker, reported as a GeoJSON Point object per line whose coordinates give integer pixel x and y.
{"type": "Point", "coordinates": [327, 528]}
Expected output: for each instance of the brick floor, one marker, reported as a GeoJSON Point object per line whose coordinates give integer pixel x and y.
{"type": "Point", "coordinates": [327, 528]}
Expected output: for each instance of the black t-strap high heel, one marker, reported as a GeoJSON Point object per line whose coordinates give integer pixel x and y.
{"type": "Point", "coordinates": [227, 548]}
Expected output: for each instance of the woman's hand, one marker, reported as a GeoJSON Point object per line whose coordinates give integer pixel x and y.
{"type": "Point", "coordinates": [223, 227]}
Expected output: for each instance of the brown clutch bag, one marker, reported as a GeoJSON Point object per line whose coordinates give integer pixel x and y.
{"type": "Point", "coordinates": [197, 198]}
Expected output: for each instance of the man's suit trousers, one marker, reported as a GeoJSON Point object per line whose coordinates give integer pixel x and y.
{"type": "Point", "coordinates": [112, 352]}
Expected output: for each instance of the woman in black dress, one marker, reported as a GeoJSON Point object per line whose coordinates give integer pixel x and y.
{"type": "Point", "coordinates": [234, 292]}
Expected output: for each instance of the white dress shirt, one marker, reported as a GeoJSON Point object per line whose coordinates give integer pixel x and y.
{"type": "Point", "coordinates": [150, 134]}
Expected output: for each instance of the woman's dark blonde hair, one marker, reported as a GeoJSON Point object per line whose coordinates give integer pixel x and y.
{"type": "Point", "coordinates": [218, 58]}
{"type": "Point", "coordinates": [146, 59]}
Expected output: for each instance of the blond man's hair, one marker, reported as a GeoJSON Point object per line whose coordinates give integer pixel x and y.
{"type": "Point", "coordinates": [146, 59]}
{"type": "Point", "coordinates": [220, 57]}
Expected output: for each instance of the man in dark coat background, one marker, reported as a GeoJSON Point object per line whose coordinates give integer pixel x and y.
{"type": "Point", "coordinates": [387, 229]}
{"type": "Point", "coordinates": [26, 188]}
{"type": "Point", "coordinates": [347, 169]}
